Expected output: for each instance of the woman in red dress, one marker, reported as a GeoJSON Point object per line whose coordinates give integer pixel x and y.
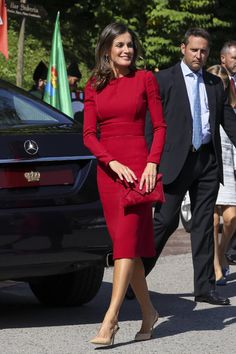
{"type": "Point", "coordinates": [116, 101]}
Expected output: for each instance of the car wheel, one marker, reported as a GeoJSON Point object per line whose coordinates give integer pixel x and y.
{"type": "Point", "coordinates": [185, 213]}
{"type": "Point", "coordinates": [72, 289]}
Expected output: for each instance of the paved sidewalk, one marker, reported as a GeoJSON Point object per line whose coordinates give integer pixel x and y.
{"type": "Point", "coordinates": [184, 327]}
{"type": "Point", "coordinates": [178, 243]}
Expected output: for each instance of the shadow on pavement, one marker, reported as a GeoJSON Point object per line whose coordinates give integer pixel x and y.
{"type": "Point", "coordinates": [185, 315]}
{"type": "Point", "coordinates": [20, 309]}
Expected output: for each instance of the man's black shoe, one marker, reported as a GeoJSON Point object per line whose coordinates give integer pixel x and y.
{"type": "Point", "coordinates": [129, 293]}
{"type": "Point", "coordinates": [231, 258]}
{"type": "Point", "coordinates": [212, 298]}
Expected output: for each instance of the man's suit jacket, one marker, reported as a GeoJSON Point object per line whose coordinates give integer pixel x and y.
{"type": "Point", "coordinates": [178, 117]}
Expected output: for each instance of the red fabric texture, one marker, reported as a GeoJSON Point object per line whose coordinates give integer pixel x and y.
{"type": "Point", "coordinates": [133, 195]}
{"type": "Point", "coordinates": [118, 113]}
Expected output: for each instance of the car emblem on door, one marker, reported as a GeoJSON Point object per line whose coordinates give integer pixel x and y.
{"type": "Point", "coordinates": [31, 147]}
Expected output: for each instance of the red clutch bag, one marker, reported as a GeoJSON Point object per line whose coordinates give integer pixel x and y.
{"type": "Point", "coordinates": [132, 195]}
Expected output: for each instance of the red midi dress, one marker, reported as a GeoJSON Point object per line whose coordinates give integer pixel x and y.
{"type": "Point", "coordinates": [118, 111]}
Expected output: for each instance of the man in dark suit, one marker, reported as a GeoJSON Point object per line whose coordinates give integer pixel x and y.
{"type": "Point", "coordinates": [194, 107]}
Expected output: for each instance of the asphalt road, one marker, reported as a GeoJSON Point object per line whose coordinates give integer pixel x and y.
{"type": "Point", "coordinates": [184, 327]}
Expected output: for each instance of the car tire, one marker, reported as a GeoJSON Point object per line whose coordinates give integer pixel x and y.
{"type": "Point", "coordinates": [186, 223]}
{"type": "Point", "coordinates": [71, 289]}
{"type": "Point", "coordinates": [185, 213]}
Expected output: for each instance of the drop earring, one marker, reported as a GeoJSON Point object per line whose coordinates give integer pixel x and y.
{"type": "Point", "coordinates": [106, 58]}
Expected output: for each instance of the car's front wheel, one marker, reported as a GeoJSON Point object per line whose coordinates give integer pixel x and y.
{"type": "Point", "coordinates": [185, 213]}
{"type": "Point", "coordinates": [72, 289]}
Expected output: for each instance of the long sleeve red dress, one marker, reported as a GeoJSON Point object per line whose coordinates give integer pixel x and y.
{"type": "Point", "coordinates": [119, 111]}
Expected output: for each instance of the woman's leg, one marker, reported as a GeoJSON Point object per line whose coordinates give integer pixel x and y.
{"type": "Point", "coordinates": [123, 272]}
{"type": "Point", "coordinates": [139, 286]}
{"type": "Point", "coordinates": [229, 226]}
{"type": "Point", "coordinates": [128, 271]}
{"type": "Point", "coordinates": [217, 265]}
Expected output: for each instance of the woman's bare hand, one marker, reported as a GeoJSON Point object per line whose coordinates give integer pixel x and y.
{"type": "Point", "coordinates": [124, 172]}
{"type": "Point", "coordinates": [149, 177]}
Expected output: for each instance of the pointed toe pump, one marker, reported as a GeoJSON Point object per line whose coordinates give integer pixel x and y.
{"type": "Point", "coordinates": [140, 336]}
{"type": "Point", "coordinates": [106, 340]}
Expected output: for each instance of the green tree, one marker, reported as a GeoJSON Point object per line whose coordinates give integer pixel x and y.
{"type": "Point", "coordinates": [8, 67]}
{"type": "Point", "coordinates": [33, 53]}
{"type": "Point", "coordinates": [167, 21]}
{"type": "Point", "coordinates": [160, 24]}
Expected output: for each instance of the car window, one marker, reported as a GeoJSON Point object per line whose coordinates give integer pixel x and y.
{"type": "Point", "coordinates": [17, 109]}
{"type": "Point", "coordinates": [30, 113]}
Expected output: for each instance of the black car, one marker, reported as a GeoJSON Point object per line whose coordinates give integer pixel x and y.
{"type": "Point", "coordinates": [185, 213]}
{"type": "Point", "coordinates": [52, 230]}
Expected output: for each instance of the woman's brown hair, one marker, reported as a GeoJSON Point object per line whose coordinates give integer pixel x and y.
{"type": "Point", "coordinates": [103, 72]}
{"type": "Point", "coordinates": [220, 71]}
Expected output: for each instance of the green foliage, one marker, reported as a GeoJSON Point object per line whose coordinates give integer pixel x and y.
{"type": "Point", "coordinates": [8, 67]}
{"type": "Point", "coordinates": [168, 20]}
{"type": "Point", "coordinates": [160, 25]}
{"type": "Point", "coordinates": [34, 51]}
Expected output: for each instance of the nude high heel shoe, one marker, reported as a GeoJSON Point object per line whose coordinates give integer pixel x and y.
{"type": "Point", "coordinates": [148, 335]}
{"type": "Point", "coordinates": [108, 340]}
